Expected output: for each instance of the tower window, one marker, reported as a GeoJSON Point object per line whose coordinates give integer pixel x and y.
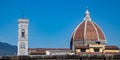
{"type": "Point", "coordinates": [23, 34]}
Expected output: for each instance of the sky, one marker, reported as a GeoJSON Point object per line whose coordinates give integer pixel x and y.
{"type": "Point", "coordinates": [52, 22]}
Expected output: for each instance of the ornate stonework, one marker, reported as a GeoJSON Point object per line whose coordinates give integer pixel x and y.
{"type": "Point", "coordinates": [22, 37]}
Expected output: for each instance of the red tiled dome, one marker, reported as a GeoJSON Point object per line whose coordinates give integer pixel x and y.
{"type": "Point", "coordinates": [88, 30]}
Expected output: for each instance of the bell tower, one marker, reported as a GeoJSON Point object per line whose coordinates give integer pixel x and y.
{"type": "Point", "coordinates": [22, 37]}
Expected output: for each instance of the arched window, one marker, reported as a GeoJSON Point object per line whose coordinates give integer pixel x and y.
{"type": "Point", "coordinates": [22, 46]}
{"type": "Point", "coordinates": [23, 33]}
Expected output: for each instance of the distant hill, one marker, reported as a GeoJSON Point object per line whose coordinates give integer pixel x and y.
{"type": "Point", "coordinates": [7, 49]}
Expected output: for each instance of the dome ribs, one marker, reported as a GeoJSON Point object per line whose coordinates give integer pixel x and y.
{"type": "Point", "coordinates": [79, 33]}
{"type": "Point", "coordinates": [90, 32]}
{"type": "Point", "coordinates": [100, 33]}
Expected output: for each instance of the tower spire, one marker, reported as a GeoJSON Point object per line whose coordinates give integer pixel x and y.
{"type": "Point", "coordinates": [87, 15]}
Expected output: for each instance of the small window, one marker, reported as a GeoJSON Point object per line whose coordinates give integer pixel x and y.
{"type": "Point", "coordinates": [83, 50]}
{"type": "Point", "coordinates": [98, 42]}
{"type": "Point", "coordinates": [96, 50]}
{"type": "Point", "coordinates": [23, 46]}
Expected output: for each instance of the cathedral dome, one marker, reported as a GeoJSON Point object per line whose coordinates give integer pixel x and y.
{"type": "Point", "coordinates": [88, 30]}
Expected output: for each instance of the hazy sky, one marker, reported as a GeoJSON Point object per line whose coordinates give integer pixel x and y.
{"type": "Point", "coordinates": [51, 22]}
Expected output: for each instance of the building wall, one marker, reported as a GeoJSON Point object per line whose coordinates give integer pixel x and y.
{"type": "Point", "coordinates": [77, 51]}
{"type": "Point", "coordinates": [58, 52]}
{"type": "Point", "coordinates": [87, 50]}
{"type": "Point", "coordinates": [91, 49]}
{"type": "Point", "coordinates": [117, 51]}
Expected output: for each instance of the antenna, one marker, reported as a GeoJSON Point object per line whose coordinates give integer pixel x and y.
{"type": "Point", "coordinates": [23, 14]}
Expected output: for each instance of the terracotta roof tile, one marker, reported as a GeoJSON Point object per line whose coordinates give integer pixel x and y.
{"type": "Point", "coordinates": [88, 30]}
{"type": "Point", "coordinates": [82, 47]}
{"type": "Point", "coordinates": [43, 50]}
{"type": "Point", "coordinates": [111, 48]}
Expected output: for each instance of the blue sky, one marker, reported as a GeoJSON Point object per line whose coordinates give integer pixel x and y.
{"type": "Point", "coordinates": [53, 21]}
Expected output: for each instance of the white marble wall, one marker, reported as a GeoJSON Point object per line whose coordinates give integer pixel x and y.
{"type": "Point", "coordinates": [22, 41]}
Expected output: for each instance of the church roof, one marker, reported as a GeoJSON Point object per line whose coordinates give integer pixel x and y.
{"type": "Point", "coordinates": [88, 30]}
{"type": "Point", "coordinates": [42, 51]}
{"type": "Point", "coordinates": [111, 48]}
